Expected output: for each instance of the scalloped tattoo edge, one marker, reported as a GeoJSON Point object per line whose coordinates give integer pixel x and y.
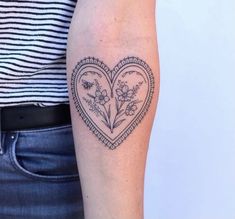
{"type": "Point", "coordinates": [99, 104]}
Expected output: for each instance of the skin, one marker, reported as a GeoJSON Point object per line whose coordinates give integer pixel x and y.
{"type": "Point", "coordinates": [112, 180]}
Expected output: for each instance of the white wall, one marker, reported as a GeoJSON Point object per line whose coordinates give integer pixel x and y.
{"type": "Point", "coordinates": [191, 162]}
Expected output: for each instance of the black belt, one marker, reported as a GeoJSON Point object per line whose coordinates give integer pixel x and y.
{"type": "Point", "coordinates": [30, 117]}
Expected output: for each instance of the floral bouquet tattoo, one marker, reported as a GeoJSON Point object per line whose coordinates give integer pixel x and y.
{"type": "Point", "coordinates": [125, 102]}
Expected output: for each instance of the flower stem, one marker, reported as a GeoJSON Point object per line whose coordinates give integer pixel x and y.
{"type": "Point", "coordinates": [118, 115]}
{"type": "Point", "coordinates": [108, 119]}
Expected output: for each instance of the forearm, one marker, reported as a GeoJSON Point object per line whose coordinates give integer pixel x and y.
{"type": "Point", "coordinates": [112, 171]}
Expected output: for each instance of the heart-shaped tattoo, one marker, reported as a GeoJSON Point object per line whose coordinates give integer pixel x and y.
{"type": "Point", "coordinates": [112, 102]}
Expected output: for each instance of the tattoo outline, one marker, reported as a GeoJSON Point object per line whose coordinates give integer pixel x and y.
{"type": "Point", "coordinates": [112, 102]}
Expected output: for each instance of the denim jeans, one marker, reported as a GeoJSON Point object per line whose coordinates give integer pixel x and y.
{"type": "Point", "coordinates": [39, 176]}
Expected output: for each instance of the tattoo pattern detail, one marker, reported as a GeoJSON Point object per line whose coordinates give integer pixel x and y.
{"type": "Point", "coordinates": [112, 102]}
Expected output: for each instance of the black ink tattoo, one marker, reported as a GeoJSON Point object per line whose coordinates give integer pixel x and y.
{"type": "Point", "coordinates": [112, 102]}
{"type": "Point", "coordinates": [87, 85]}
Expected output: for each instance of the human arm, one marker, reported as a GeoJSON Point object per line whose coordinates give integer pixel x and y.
{"type": "Point", "coordinates": [112, 128]}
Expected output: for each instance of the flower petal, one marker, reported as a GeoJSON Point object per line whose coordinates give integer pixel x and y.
{"type": "Point", "coordinates": [104, 92]}
{"type": "Point", "coordinates": [121, 98]}
{"type": "Point", "coordinates": [106, 98]}
{"type": "Point", "coordinates": [119, 92]}
{"type": "Point", "coordinates": [97, 99]}
{"type": "Point", "coordinates": [134, 107]}
{"type": "Point", "coordinates": [97, 93]}
{"type": "Point", "coordinates": [130, 93]}
{"type": "Point", "coordinates": [125, 88]}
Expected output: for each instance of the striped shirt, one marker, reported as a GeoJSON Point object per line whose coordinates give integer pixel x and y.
{"type": "Point", "coordinates": [33, 38]}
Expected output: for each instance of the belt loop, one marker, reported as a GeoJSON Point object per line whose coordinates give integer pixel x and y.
{"type": "Point", "coordinates": [1, 149]}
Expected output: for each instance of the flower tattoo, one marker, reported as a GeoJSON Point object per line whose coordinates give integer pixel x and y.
{"type": "Point", "coordinates": [123, 105]}
{"type": "Point", "coordinates": [124, 93]}
{"type": "Point", "coordinates": [101, 97]}
{"type": "Point", "coordinates": [131, 108]}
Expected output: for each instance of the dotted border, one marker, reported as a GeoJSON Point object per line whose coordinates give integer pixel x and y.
{"type": "Point", "coordinates": [134, 123]}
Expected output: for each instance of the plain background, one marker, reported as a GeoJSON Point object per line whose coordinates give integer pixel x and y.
{"type": "Point", "coordinates": [191, 162]}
